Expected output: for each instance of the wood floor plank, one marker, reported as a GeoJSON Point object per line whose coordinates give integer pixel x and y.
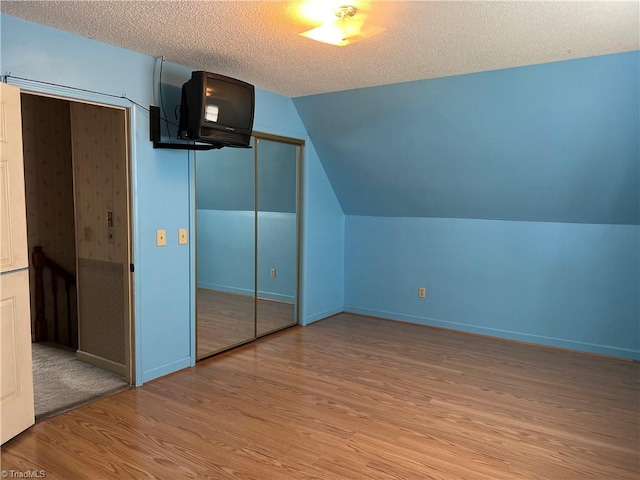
{"type": "Point", "coordinates": [353, 397]}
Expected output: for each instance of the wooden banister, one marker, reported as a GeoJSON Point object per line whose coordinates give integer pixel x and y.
{"type": "Point", "coordinates": [40, 261]}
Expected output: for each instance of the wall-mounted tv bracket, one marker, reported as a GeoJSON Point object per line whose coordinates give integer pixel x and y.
{"type": "Point", "coordinates": [154, 135]}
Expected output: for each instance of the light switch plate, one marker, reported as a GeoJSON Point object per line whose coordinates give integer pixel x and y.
{"type": "Point", "coordinates": [182, 236]}
{"type": "Point", "coordinates": [161, 238]}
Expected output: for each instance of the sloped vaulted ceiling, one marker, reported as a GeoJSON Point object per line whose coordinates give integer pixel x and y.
{"type": "Point", "coordinates": [557, 142]}
{"type": "Point", "coordinates": [551, 142]}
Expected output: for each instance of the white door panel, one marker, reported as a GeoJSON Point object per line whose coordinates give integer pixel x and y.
{"type": "Point", "coordinates": [16, 370]}
{"type": "Point", "coordinates": [16, 404]}
{"type": "Point", "coordinates": [13, 220]}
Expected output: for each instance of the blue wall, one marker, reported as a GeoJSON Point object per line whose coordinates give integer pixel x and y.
{"type": "Point", "coordinates": [163, 186]}
{"type": "Point", "coordinates": [277, 249]}
{"type": "Point", "coordinates": [225, 178]}
{"type": "Point", "coordinates": [277, 177]}
{"type": "Point", "coordinates": [226, 252]}
{"type": "Point", "coordinates": [325, 274]}
{"type": "Point", "coordinates": [569, 285]}
{"type": "Point", "coordinates": [426, 170]}
{"type": "Point", "coordinates": [556, 142]}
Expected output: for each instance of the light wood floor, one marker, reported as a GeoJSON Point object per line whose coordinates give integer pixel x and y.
{"type": "Point", "coordinates": [227, 319]}
{"type": "Point", "coordinates": [357, 398]}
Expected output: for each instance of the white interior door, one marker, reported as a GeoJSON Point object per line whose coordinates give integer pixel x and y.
{"type": "Point", "coordinates": [16, 370]}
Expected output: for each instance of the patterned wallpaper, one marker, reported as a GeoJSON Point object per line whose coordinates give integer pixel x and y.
{"type": "Point", "coordinates": [49, 177]}
{"type": "Point", "coordinates": [99, 146]}
{"type": "Point", "coordinates": [49, 187]}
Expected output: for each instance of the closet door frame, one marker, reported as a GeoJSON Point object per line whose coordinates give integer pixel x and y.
{"type": "Point", "coordinates": [257, 136]}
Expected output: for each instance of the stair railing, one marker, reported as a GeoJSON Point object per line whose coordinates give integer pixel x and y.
{"type": "Point", "coordinates": [40, 261]}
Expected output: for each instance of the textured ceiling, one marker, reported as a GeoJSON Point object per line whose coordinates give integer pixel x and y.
{"type": "Point", "coordinates": [258, 41]}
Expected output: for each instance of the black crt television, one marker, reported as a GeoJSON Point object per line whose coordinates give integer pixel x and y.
{"type": "Point", "coordinates": [217, 110]}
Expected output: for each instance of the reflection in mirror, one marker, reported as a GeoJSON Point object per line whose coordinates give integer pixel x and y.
{"type": "Point", "coordinates": [225, 229]}
{"type": "Point", "coordinates": [277, 235]}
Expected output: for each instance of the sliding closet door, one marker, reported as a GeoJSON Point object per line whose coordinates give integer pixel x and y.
{"type": "Point", "coordinates": [247, 224]}
{"type": "Point", "coordinates": [225, 249]}
{"type": "Point", "coordinates": [277, 234]}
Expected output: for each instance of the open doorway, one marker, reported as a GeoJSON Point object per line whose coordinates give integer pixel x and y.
{"type": "Point", "coordinates": [77, 201]}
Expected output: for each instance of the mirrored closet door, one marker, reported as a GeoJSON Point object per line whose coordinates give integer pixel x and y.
{"type": "Point", "coordinates": [247, 255]}
{"type": "Point", "coordinates": [277, 234]}
{"type": "Point", "coordinates": [225, 249]}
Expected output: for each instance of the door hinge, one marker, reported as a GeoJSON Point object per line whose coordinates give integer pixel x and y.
{"type": "Point", "coordinates": [131, 268]}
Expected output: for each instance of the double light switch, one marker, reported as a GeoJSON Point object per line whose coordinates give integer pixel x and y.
{"type": "Point", "coordinates": [161, 237]}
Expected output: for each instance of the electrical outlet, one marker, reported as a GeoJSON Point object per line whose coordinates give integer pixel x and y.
{"type": "Point", "coordinates": [161, 238]}
{"type": "Point", "coordinates": [422, 292]}
{"type": "Point", "coordinates": [182, 236]}
{"type": "Point", "coordinates": [273, 273]}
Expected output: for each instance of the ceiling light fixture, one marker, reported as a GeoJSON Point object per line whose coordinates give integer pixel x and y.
{"type": "Point", "coordinates": [344, 30]}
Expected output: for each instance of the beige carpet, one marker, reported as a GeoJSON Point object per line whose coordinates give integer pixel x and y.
{"type": "Point", "coordinates": [62, 383]}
